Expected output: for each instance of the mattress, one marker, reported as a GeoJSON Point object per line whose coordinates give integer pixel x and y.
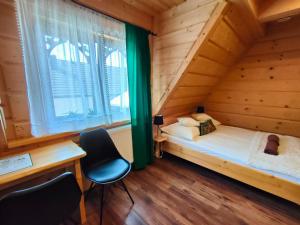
{"type": "Point", "coordinates": [230, 143]}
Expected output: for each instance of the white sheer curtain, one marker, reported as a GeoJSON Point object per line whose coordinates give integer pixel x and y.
{"type": "Point", "coordinates": [75, 66]}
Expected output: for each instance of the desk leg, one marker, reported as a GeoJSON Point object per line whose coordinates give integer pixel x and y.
{"type": "Point", "coordinates": [80, 182]}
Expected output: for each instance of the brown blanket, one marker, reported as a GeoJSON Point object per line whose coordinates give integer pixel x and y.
{"type": "Point", "coordinates": [272, 145]}
{"type": "Point", "coordinates": [274, 138]}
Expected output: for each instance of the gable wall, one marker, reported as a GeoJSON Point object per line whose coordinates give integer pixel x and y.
{"type": "Point", "coordinates": [262, 91]}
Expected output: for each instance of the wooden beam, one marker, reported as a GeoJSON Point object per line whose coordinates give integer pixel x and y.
{"type": "Point", "coordinates": [143, 7]}
{"type": "Point", "coordinates": [250, 9]}
{"type": "Point", "coordinates": [121, 11]}
{"type": "Point", "coordinates": [254, 6]}
{"type": "Point", "coordinates": [279, 9]}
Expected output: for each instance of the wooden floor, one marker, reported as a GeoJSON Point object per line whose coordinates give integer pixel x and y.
{"type": "Point", "coordinates": [173, 191]}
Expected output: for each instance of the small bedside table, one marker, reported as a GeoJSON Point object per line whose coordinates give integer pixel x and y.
{"type": "Point", "coordinates": [158, 142]}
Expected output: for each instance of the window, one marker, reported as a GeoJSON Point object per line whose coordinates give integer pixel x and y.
{"type": "Point", "coordinates": [75, 66]}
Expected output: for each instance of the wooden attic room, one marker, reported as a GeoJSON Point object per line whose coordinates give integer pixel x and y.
{"type": "Point", "coordinates": [149, 112]}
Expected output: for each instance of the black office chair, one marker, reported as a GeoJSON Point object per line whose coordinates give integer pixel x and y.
{"type": "Point", "coordinates": [50, 203]}
{"type": "Point", "coordinates": [103, 163]}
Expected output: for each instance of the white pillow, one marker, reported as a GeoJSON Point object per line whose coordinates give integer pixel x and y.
{"type": "Point", "coordinates": [177, 130]}
{"type": "Point", "coordinates": [203, 117]}
{"type": "Point", "coordinates": [188, 122]}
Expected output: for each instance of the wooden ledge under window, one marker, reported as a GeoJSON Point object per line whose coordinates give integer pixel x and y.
{"type": "Point", "coordinates": [52, 138]}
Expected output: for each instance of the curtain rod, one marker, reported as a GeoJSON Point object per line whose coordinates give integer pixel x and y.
{"type": "Point", "coordinates": [88, 7]}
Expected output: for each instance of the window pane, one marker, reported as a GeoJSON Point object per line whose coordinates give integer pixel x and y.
{"type": "Point", "coordinates": [65, 83]}
{"type": "Point", "coordinates": [117, 71]}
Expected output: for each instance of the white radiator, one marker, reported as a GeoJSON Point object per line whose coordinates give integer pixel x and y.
{"type": "Point", "coordinates": [122, 139]}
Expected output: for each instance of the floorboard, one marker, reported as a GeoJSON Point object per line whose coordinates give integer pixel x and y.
{"type": "Point", "coordinates": [173, 191]}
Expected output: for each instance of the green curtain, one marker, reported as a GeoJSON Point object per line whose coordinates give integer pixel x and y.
{"type": "Point", "coordinates": [138, 66]}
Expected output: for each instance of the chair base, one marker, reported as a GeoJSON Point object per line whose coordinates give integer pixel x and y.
{"type": "Point", "coordinates": [88, 192]}
{"type": "Point", "coordinates": [101, 203]}
{"type": "Point", "coordinates": [125, 188]}
{"type": "Point", "coordinates": [101, 195]}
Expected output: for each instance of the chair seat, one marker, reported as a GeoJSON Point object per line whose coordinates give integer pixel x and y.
{"type": "Point", "coordinates": [109, 171]}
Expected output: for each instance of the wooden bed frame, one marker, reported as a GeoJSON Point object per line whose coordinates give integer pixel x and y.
{"type": "Point", "coordinates": [278, 186]}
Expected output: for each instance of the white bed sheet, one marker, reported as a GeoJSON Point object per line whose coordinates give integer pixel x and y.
{"type": "Point", "coordinates": [229, 143]}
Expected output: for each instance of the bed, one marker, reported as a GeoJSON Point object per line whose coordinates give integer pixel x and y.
{"type": "Point", "coordinates": [238, 153]}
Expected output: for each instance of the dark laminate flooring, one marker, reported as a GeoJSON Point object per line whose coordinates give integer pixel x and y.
{"type": "Point", "coordinates": [173, 191]}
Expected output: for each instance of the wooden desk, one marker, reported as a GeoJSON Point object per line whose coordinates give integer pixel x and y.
{"type": "Point", "coordinates": [49, 158]}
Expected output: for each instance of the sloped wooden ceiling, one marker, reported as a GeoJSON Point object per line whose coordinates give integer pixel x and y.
{"type": "Point", "coordinates": [262, 91]}
{"type": "Point", "coordinates": [224, 38]}
{"type": "Point", "coordinates": [178, 29]}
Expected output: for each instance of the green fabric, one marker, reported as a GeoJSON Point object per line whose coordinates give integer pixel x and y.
{"type": "Point", "coordinates": [138, 66]}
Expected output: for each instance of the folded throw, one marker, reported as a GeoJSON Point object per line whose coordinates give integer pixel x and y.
{"type": "Point", "coordinates": [274, 138]}
{"type": "Point", "coordinates": [271, 148]}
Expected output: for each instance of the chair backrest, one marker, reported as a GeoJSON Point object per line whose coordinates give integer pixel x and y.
{"type": "Point", "coordinates": [99, 147]}
{"type": "Point", "coordinates": [46, 204]}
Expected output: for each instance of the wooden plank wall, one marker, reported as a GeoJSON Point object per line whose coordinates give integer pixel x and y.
{"type": "Point", "coordinates": [262, 91]}
{"type": "Point", "coordinates": [229, 38]}
{"type": "Point", "coordinates": [177, 30]}
{"type": "Point", "coordinates": [12, 79]}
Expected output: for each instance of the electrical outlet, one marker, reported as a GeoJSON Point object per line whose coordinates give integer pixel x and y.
{"type": "Point", "coordinates": [22, 130]}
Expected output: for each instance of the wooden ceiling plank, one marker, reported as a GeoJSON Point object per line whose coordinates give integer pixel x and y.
{"type": "Point", "coordinates": [184, 8]}
{"type": "Point", "coordinates": [157, 4]}
{"type": "Point", "coordinates": [143, 7]}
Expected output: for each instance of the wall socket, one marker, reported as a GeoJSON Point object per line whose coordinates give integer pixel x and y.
{"type": "Point", "coordinates": [22, 129]}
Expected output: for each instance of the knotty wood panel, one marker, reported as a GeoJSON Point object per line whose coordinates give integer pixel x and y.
{"type": "Point", "coordinates": [284, 113]}
{"type": "Point", "coordinates": [262, 91]}
{"type": "Point", "coordinates": [257, 98]}
{"type": "Point", "coordinates": [181, 21]}
{"type": "Point", "coordinates": [224, 42]}
{"type": "Point", "coordinates": [11, 68]}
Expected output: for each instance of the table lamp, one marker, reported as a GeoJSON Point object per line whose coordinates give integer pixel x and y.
{"type": "Point", "coordinates": [158, 120]}
{"type": "Point", "coordinates": [200, 109]}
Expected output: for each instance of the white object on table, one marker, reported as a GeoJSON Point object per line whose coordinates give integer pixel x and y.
{"type": "Point", "coordinates": [15, 163]}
